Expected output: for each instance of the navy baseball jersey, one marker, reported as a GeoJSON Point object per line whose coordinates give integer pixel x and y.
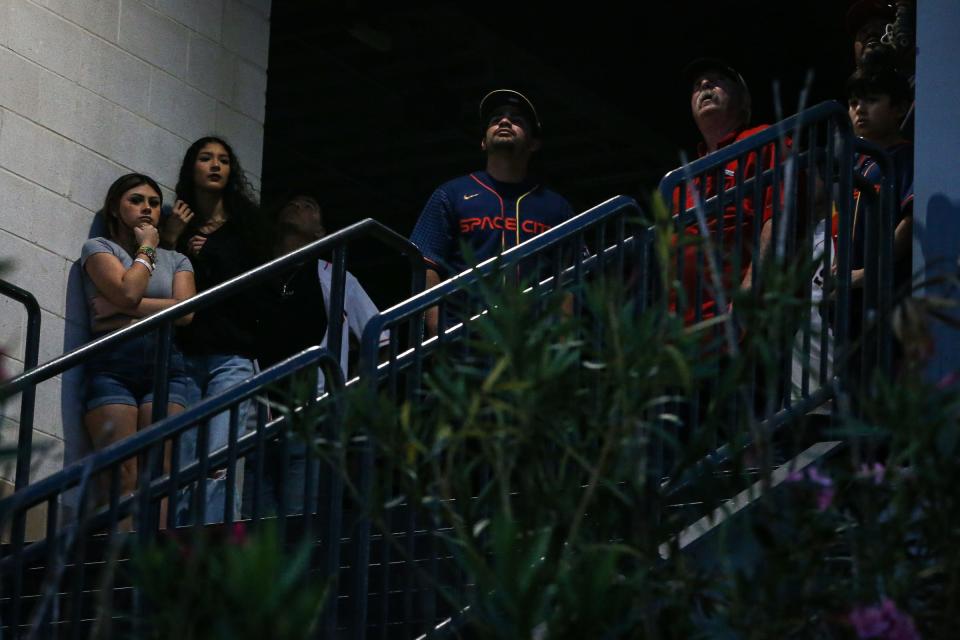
{"type": "Point", "coordinates": [486, 217]}
{"type": "Point", "coordinates": [902, 155]}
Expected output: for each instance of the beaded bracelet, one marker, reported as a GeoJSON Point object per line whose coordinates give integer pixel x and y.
{"type": "Point", "coordinates": [149, 266]}
{"type": "Point", "coordinates": [150, 252]}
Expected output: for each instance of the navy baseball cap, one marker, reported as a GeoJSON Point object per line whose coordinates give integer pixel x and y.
{"type": "Point", "coordinates": [508, 97]}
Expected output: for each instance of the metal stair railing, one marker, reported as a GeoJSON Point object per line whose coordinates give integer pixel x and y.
{"type": "Point", "coordinates": [810, 178]}
{"type": "Point", "coordinates": [810, 174]}
{"type": "Point", "coordinates": [825, 162]}
{"type": "Point", "coordinates": [61, 599]}
{"type": "Point", "coordinates": [31, 355]}
{"type": "Point", "coordinates": [162, 322]}
{"type": "Point", "coordinates": [879, 284]}
{"type": "Point", "coordinates": [149, 462]}
{"type": "Point", "coordinates": [809, 182]}
{"type": "Point", "coordinates": [609, 240]}
{"type": "Point", "coordinates": [559, 257]}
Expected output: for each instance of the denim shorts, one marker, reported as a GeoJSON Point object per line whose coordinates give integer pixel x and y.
{"type": "Point", "coordinates": [124, 375]}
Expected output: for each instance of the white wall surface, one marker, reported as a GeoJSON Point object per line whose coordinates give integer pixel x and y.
{"type": "Point", "coordinates": [936, 208]}
{"type": "Point", "coordinates": [89, 90]}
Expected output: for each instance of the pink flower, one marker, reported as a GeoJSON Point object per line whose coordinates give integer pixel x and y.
{"type": "Point", "coordinates": [825, 498]}
{"type": "Point", "coordinates": [876, 472]}
{"type": "Point", "coordinates": [238, 533]}
{"type": "Point", "coordinates": [885, 622]}
{"type": "Point", "coordinates": [949, 380]}
{"type": "Point", "coordinates": [824, 484]}
{"type": "Point", "coordinates": [817, 478]}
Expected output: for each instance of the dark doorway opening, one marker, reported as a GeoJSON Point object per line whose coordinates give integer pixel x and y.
{"type": "Point", "coordinates": [373, 104]}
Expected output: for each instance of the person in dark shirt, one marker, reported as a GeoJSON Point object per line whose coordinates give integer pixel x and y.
{"type": "Point", "coordinates": [215, 222]}
{"type": "Point", "coordinates": [294, 317]}
{"type": "Point", "coordinates": [294, 313]}
{"type": "Point", "coordinates": [489, 211]}
{"type": "Point", "coordinates": [877, 102]}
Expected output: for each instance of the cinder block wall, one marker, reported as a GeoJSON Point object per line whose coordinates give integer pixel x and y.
{"type": "Point", "coordinates": [89, 90]}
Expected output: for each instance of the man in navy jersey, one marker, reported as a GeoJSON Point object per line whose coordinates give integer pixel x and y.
{"type": "Point", "coordinates": [477, 216]}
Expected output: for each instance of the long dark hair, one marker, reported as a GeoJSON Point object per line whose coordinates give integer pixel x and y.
{"type": "Point", "coordinates": [112, 202]}
{"type": "Point", "coordinates": [238, 200]}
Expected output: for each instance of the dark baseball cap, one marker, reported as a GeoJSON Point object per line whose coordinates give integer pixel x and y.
{"type": "Point", "coordinates": [862, 10]}
{"type": "Point", "coordinates": [701, 65]}
{"type": "Point", "coordinates": [508, 97]}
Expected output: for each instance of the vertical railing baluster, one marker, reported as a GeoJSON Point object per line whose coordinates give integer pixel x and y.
{"type": "Point", "coordinates": [231, 476]}
{"type": "Point", "coordinates": [259, 462]}
{"type": "Point", "coordinates": [161, 371]}
{"type": "Point", "coordinates": [28, 396]}
{"type": "Point", "coordinates": [18, 533]}
{"type": "Point", "coordinates": [173, 490]}
{"type": "Point", "coordinates": [53, 519]}
{"type": "Point", "coordinates": [828, 352]}
{"type": "Point", "coordinates": [200, 495]}
{"type": "Point", "coordinates": [79, 562]}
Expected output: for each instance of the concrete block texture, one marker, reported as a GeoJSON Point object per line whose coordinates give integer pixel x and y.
{"type": "Point", "coordinates": [52, 330]}
{"type": "Point", "coordinates": [203, 16]}
{"type": "Point", "coordinates": [65, 236]}
{"type": "Point", "coordinates": [182, 11]}
{"type": "Point", "coordinates": [90, 90]}
{"type": "Point", "coordinates": [19, 199]}
{"type": "Point", "coordinates": [20, 79]}
{"type": "Point", "coordinates": [36, 153]}
{"type": "Point", "coordinates": [153, 36]}
{"type": "Point", "coordinates": [13, 332]}
{"type": "Point", "coordinates": [142, 146]}
{"type": "Point", "coordinates": [178, 107]}
{"type": "Point", "coordinates": [47, 414]}
{"type": "Point", "coordinates": [211, 68]}
{"type": "Point", "coordinates": [260, 6]}
{"type": "Point", "coordinates": [75, 112]}
{"type": "Point", "coordinates": [244, 134]}
{"type": "Point", "coordinates": [41, 35]}
{"type": "Point", "coordinates": [36, 521]}
{"type": "Point", "coordinates": [57, 104]}
{"type": "Point", "coordinates": [43, 217]}
{"type": "Point", "coordinates": [92, 175]}
{"type": "Point", "coordinates": [35, 269]}
{"type": "Point", "coordinates": [47, 453]}
{"type": "Point", "coordinates": [118, 76]}
{"type": "Point", "coordinates": [210, 18]}
{"type": "Point", "coordinates": [101, 17]}
{"type": "Point", "coordinates": [250, 90]}
{"type": "Point", "coordinates": [246, 32]}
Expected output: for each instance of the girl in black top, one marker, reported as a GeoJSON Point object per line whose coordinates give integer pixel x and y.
{"type": "Point", "coordinates": [215, 222]}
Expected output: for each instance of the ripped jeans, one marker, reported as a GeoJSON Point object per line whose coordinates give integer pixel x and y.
{"type": "Point", "coordinates": [213, 374]}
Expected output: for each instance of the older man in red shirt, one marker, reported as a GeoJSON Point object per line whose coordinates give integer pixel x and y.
{"type": "Point", "coordinates": [720, 103]}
